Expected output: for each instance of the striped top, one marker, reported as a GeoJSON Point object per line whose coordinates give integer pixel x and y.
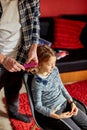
{"type": "Point", "coordinates": [49, 93]}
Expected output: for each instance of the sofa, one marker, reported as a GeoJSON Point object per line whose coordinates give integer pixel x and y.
{"type": "Point", "coordinates": [67, 33]}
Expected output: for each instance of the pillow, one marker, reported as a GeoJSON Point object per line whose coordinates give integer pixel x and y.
{"type": "Point", "coordinates": [67, 33]}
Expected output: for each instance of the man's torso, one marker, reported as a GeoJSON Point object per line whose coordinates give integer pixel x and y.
{"type": "Point", "coordinates": [10, 28]}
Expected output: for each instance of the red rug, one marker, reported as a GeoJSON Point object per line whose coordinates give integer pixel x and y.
{"type": "Point", "coordinates": [77, 90]}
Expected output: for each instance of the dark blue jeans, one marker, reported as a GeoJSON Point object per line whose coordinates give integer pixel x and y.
{"type": "Point", "coordinates": [12, 83]}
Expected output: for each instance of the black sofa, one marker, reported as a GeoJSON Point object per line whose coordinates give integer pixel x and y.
{"type": "Point", "coordinates": [77, 58]}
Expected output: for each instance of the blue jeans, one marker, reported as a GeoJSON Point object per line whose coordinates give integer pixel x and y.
{"type": "Point", "coordinates": [12, 83]}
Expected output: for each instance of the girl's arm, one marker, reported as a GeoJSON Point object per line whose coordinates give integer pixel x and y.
{"type": "Point", "coordinates": [37, 96]}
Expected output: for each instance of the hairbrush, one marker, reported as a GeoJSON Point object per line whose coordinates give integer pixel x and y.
{"type": "Point", "coordinates": [30, 65]}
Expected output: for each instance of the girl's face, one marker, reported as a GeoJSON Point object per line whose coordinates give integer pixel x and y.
{"type": "Point", "coordinates": [48, 66]}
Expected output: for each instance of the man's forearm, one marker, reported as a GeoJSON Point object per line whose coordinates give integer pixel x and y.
{"type": "Point", "coordinates": [36, 32]}
{"type": "Point", "coordinates": [33, 46]}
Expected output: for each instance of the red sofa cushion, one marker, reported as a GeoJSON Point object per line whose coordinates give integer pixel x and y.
{"type": "Point", "coordinates": [67, 33]}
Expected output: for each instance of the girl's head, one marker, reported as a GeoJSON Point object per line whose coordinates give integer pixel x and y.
{"type": "Point", "coordinates": [46, 59]}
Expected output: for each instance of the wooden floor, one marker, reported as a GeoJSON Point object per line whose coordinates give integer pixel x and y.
{"type": "Point", "coordinates": [75, 76]}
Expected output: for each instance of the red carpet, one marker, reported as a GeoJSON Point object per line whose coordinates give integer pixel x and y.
{"type": "Point", "coordinates": [77, 90]}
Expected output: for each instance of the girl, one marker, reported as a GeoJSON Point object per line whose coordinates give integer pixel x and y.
{"type": "Point", "coordinates": [51, 97]}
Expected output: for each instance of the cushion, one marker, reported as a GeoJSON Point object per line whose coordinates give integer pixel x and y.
{"type": "Point", "coordinates": [67, 33]}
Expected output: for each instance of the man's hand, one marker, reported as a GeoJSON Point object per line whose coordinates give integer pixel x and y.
{"type": "Point", "coordinates": [32, 55]}
{"type": "Point", "coordinates": [12, 65]}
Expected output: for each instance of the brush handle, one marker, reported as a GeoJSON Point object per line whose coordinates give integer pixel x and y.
{"type": "Point", "coordinates": [30, 65]}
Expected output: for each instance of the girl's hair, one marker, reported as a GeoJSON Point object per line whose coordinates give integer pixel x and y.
{"type": "Point", "coordinates": [44, 52]}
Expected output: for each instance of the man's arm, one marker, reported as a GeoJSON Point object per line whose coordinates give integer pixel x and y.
{"type": "Point", "coordinates": [10, 64]}
{"type": "Point", "coordinates": [32, 54]}
{"type": "Point", "coordinates": [36, 24]}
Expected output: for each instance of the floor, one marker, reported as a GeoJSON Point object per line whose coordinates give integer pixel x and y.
{"type": "Point", "coordinates": [4, 120]}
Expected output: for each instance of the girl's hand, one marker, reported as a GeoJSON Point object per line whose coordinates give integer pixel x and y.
{"type": "Point", "coordinates": [65, 115]}
{"type": "Point", "coordinates": [61, 116]}
{"type": "Point", "coordinates": [74, 109]}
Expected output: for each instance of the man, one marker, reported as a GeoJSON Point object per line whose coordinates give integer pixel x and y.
{"type": "Point", "coordinates": [19, 37]}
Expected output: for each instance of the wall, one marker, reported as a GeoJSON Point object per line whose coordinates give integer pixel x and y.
{"type": "Point", "coordinates": [59, 7]}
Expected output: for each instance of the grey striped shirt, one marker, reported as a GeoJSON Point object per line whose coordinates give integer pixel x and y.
{"type": "Point", "coordinates": [49, 93]}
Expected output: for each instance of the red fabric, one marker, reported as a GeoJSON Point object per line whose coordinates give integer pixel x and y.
{"type": "Point", "coordinates": [67, 33]}
{"type": "Point", "coordinates": [77, 90]}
